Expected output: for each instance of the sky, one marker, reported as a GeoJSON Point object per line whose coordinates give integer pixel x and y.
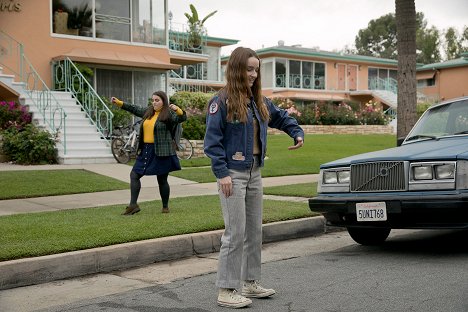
{"type": "Point", "coordinates": [325, 24]}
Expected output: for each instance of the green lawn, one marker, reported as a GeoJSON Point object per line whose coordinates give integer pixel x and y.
{"type": "Point", "coordinates": [37, 234]}
{"type": "Point", "coordinates": [307, 190]}
{"type": "Point", "coordinates": [37, 183]}
{"type": "Point", "coordinates": [318, 149]}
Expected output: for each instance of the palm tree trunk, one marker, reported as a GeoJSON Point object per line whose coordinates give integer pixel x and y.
{"type": "Point", "coordinates": [405, 15]}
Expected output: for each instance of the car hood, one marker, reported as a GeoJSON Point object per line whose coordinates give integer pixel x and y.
{"type": "Point", "coordinates": [449, 148]}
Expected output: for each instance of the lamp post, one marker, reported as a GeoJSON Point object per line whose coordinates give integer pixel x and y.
{"type": "Point", "coordinates": [170, 20]}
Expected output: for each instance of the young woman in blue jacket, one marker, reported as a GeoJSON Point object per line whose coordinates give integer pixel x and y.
{"type": "Point", "coordinates": [156, 154]}
{"type": "Point", "coordinates": [235, 141]}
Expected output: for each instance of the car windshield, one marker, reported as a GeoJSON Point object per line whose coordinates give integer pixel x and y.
{"type": "Point", "coordinates": [444, 120]}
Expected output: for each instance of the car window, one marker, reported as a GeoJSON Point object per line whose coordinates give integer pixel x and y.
{"type": "Point", "coordinates": [443, 120]}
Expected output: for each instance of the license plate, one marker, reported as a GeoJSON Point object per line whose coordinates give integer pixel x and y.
{"type": "Point", "coordinates": [375, 211]}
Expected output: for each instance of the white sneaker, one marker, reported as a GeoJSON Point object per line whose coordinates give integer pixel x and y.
{"type": "Point", "coordinates": [231, 299]}
{"type": "Point", "coordinates": [252, 289]}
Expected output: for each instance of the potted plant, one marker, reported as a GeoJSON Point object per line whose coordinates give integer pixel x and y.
{"type": "Point", "coordinates": [196, 28]}
{"type": "Point", "coordinates": [80, 17]}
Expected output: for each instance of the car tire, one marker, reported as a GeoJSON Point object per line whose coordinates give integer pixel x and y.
{"type": "Point", "coordinates": [368, 236]}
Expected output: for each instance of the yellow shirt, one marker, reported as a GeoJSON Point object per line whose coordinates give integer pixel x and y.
{"type": "Point", "coordinates": [148, 126]}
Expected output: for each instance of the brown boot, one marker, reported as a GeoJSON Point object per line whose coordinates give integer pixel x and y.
{"type": "Point", "coordinates": [131, 209]}
{"type": "Point", "coordinates": [165, 210]}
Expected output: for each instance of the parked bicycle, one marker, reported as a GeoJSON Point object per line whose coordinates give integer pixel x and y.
{"type": "Point", "coordinates": [124, 146]}
{"type": "Point", "coordinates": [185, 149]}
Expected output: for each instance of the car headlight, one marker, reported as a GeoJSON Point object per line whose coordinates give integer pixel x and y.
{"type": "Point", "coordinates": [446, 171]}
{"type": "Point", "coordinates": [343, 176]}
{"type": "Point", "coordinates": [330, 177]}
{"type": "Point", "coordinates": [423, 172]}
{"type": "Point", "coordinates": [336, 176]}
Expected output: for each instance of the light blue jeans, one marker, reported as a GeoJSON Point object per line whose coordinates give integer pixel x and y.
{"type": "Point", "coordinates": [241, 243]}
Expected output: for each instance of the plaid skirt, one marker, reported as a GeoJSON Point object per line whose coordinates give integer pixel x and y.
{"type": "Point", "coordinates": [147, 163]}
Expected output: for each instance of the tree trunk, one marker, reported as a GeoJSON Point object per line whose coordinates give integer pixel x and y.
{"type": "Point", "coordinates": [405, 15]}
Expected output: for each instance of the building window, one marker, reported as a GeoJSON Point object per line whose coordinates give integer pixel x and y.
{"type": "Point", "coordinates": [280, 74]}
{"type": "Point", "coordinates": [319, 76]}
{"type": "Point", "coordinates": [422, 83]}
{"type": "Point", "coordinates": [124, 20]}
{"type": "Point", "coordinates": [381, 79]}
{"type": "Point", "coordinates": [148, 20]}
{"type": "Point", "coordinates": [300, 74]}
{"type": "Point", "coordinates": [130, 86]}
{"type": "Point", "coordinates": [73, 17]}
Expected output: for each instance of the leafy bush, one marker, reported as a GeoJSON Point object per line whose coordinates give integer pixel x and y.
{"type": "Point", "coordinates": [29, 146]}
{"type": "Point", "coordinates": [421, 108]}
{"type": "Point", "coordinates": [195, 104]}
{"type": "Point", "coordinates": [121, 117]}
{"type": "Point", "coordinates": [372, 115]}
{"type": "Point", "coordinates": [13, 114]}
{"type": "Point", "coordinates": [330, 113]}
{"type": "Point", "coordinates": [198, 100]}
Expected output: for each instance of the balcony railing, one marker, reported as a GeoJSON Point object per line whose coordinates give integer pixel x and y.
{"type": "Point", "coordinates": [298, 81]}
{"type": "Point", "coordinates": [388, 84]}
{"type": "Point", "coordinates": [181, 38]}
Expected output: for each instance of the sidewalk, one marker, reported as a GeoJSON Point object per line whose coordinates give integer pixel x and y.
{"type": "Point", "coordinates": [38, 270]}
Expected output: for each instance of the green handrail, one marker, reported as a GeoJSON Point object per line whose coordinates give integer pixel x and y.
{"type": "Point", "coordinates": [52, 113]}
{"type": "Point", "coordinates": [68, 77]}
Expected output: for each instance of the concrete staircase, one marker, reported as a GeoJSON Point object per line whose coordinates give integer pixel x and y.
{"type": "Point", "coordinates": [387, 97]}
{"type": "Point", "coordinates": [84, 144]}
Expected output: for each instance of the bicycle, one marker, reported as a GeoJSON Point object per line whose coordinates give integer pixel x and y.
{"type": "Point", "coordinates": [184, 149]}
{"type": "Point", "coordinates": [124, 146]}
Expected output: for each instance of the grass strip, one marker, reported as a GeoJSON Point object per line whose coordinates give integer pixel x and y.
{"type": "Point", "coordinates": [37, 183]}
{"type": "Point", "coordinates": [306, 190]}
{"type": "Point", "coordinates": [45, 233]}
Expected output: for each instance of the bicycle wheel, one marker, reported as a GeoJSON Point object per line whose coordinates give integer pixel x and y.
{"type": "Point", "coordinates": [120, 154]}
{"type": "Point", "coordinates": [185, 149]}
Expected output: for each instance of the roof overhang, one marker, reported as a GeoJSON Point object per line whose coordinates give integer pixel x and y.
{"type": "Point", "coordinates": [7, 93]}
{"type": "Point", "coordinates": [187, 58]}
{"type": "Point", "coordinates": [425, 75]}
{"type": "Point", "coordinates": [116, 58]}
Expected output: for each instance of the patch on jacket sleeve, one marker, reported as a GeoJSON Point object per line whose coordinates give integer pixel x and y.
{"type": "Point", "coordinates": [213, 108]}
{"type": "Point", "coordinates": [238, 156]}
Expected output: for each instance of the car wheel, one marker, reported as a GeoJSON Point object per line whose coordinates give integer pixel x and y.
{"type": "Point", "coordinates": [368, 236]}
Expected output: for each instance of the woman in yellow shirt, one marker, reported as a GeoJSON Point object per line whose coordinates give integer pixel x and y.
{"type": "Point", "coordinates": [156, 154]}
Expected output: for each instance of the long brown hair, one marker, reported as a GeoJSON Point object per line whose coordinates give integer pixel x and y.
{"type": "Point", "coordinates": [237, 87]}
{"type": "Point", "coordinates": [164, 114]}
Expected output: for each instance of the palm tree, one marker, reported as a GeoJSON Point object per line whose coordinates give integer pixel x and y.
{"type": "Point", "coordinates": [196, 26]}
{"type": "Point", "coordinates": [405, 15]}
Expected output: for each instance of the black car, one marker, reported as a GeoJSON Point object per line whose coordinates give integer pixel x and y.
{"type": "Point", "coordinates": [422, 184]}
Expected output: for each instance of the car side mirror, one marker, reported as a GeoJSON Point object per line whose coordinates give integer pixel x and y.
{"type": "Point", "coordinates": [400, 140]}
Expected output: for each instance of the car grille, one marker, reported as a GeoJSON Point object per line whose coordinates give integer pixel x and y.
{"type": "Point", "coordinates": [378, 176]}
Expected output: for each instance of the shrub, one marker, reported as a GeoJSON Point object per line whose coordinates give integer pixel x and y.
{"type": "Point", "coordinates": [372, 115]}
{"type": "Point", "coordinates": [186, 99]}
{"type": "Point", "coordinates": [195, 104]}
{"type": "Point", "coordinates": [288, 105]}
{"type": "Point", "coordinates": [13, 114]}
{"type": "Point", "coordinates": [29, 146]}
{"type": "Point", "coordinates": [328, 113]}
{"type": "Point", "coordinates": [421, 108]}
{"type": "Point", "coordinates": [121, 117]}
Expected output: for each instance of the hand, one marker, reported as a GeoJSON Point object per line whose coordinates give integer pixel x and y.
{"type": "Point", "coordinates": [116, 101]}
{"type": "Point", "coordinates": [173, 107]}
{"type": "Point", "coordinates": [299, 143]}
{"type": "Point", "coordinates": [226, 186]}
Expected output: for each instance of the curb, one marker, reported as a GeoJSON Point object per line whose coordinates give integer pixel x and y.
{"type": "Point", "coordinates": [30, 271]}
